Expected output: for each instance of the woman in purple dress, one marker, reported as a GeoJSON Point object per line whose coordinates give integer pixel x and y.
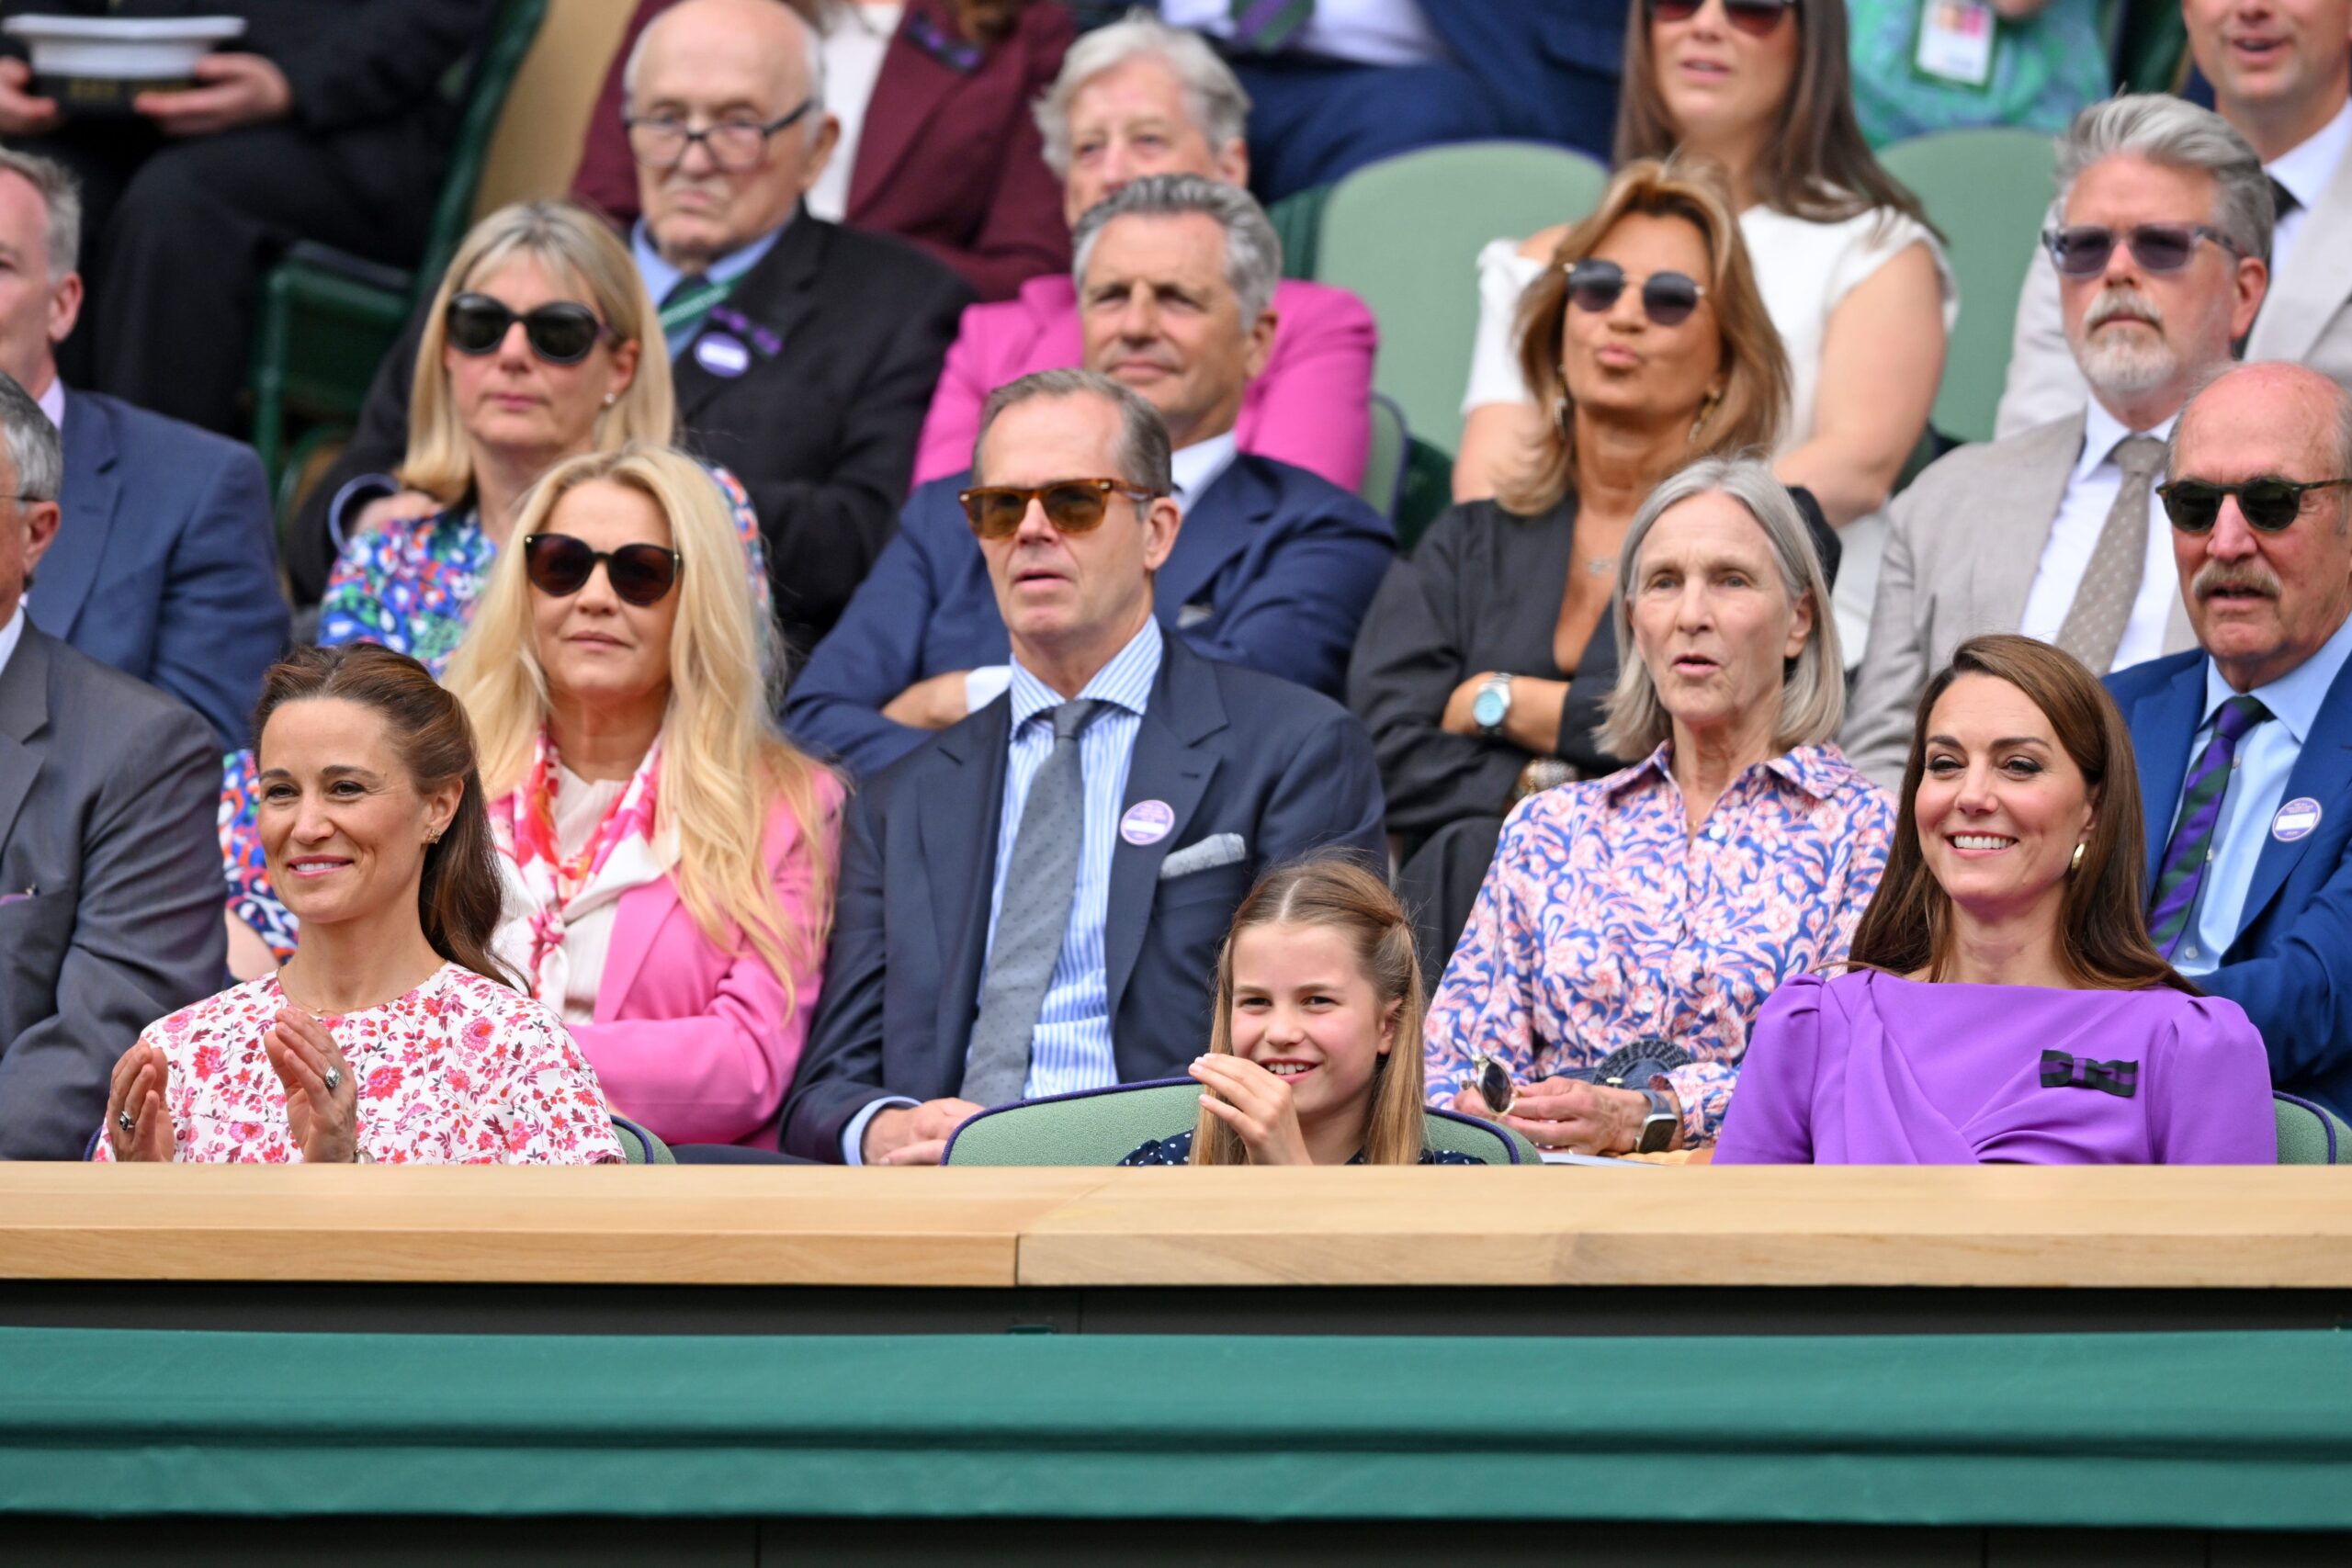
{"type": "Point", "coordinates": [2003, 1002]}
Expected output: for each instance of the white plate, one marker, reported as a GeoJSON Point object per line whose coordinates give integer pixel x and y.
{"type": "Point", "coordinates": [136, 49]}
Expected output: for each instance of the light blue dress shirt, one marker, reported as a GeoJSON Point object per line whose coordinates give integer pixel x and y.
{"type": "Point", "coordinates": [660, 276]}
{"type": "Point", "coordinates": [2256, 791]}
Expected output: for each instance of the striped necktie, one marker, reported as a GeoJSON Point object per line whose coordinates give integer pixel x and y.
{"type": "Point", "coordinates": [2191, 850]}
{"type": "Point", "coordinates": [1263, 27]}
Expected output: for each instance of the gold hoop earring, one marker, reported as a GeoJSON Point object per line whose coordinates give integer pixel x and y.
{"type": "Point", "coordinates": [2076, 864]}
{"type": "Point", "coordinates": [1706, 411]}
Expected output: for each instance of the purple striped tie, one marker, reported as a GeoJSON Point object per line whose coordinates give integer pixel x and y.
{"type": "Point", "coordinates": [2183, 872]}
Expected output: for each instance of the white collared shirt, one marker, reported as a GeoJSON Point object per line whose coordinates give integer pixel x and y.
{"type": "Point", "coordinates": [52, 401]}
{"type": "Point", "coordinates": [2305, 169]}
{"type": "Point", "coordinates": [11, 635]}
{"type": "Point", "coordinates": [2073, 534]}
{"type": "Point", "coordinates": [1365, 32]}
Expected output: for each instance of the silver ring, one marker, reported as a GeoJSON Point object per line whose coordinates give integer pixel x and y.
{"type": "Point", "coordinates": [334, 1080]}
{"type": "Point", "coordinates": [122, 1120]}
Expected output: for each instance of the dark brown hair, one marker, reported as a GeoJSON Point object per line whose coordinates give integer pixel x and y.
{"type": "Point", "coordinates": [2102, 925]}
{"type": "Point", "coordinates": [459, 896]}
{"type": "Point", "coordinates": [1814, 165]}
{"type": "Point", "coordinates": [1755, 367]}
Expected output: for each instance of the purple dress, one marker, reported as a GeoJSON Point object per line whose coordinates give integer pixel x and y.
{"type": "Point", "coordinates": [1868, 1068]}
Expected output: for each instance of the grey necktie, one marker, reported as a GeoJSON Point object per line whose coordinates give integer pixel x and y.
{"type": "Point", "coordinates": [1039, 882]}
{"type": "Point", "coordinates": [2093, 627]}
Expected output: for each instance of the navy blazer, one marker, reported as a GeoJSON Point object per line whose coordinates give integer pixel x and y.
{"type": "Point", "coordinates": [1228, 749]}
{"type": "Point", "coordinates": [165, 565]}
{"type": "Point", "coordinates": [1272, 569]}
{"type": "Point", "coordinates": [2288, 966]}
{"type": "Point", "coordinates": [1553, 64]}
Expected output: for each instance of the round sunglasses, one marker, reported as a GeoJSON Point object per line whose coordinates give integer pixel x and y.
{"type": "Point", "coordinates": [1667, 298]}
{"type": "Point", "coordinates": [560, 566]}
{"type": "Point", "coordinates": [561, 334]}
{"type": "Point", "coordinates": [2268, 505]}
{"type": "Point", "coordinates": [2081, 249]}
{"type": "Point", "coordinates": [1757, 18]}
{"type": "Point", "coordinates": [1072, 506]}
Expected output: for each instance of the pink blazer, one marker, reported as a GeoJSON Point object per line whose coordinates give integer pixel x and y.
{"type": "Point", "coordinates": [693, 1040]}
{"type": "Point", "coordinates": [1311, 408]}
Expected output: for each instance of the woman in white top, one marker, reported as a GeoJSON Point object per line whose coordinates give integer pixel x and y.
{"type": "Point", "coordinates": [1855, 281]}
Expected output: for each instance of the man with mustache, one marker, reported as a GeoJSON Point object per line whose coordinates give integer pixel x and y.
{"type": "Point", "coordinates": [2244, 742]}
{"type": "Point", "coordinates": [2161, 231]}
{"type": "Point", "coordinates": [1275, 567]}
{"type": "Point", "coordinates": [2281, 72]}
{"type": "Point", "coordinates": [1029, 901]}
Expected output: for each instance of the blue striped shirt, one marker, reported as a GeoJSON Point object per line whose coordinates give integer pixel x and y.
{"type": "Point", "coordinates": [1071, 1049]}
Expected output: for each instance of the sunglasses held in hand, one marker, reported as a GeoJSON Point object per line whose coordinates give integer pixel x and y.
{"type": "Point", "coordinates": [1072, 506]}
{"type": "Point", "coordinates": [2270, 505]}
{"type": "Point", "coordinates": [559, 566]}
{"type": "Point", "coordinates": [561, 333]}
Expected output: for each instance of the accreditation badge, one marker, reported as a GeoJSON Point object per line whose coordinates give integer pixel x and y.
{"type": "Point", "coordinates": [1955, 41]}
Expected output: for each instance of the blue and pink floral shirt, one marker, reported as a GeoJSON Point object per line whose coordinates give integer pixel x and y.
{"type": "Point", "coordinates": [1604, 920]}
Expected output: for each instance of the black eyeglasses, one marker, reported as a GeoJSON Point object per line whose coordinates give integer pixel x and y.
{"type": "Point", "coordinates": [560, 566]}
{"type": "Point", "coordinates": [2081, 249]}
{"type": "Point", "coordinates": [660, 142]}
{"type": "Point", "coordinates": [1755, 18]}
{"type": "Point", "coordinates": [2270, 505]}
{"type": "Point", "coordinates": [1072, 506]}
{"type": "Point", "coordinates": [1667, 298]}
{"type": "Point", "coordinates": [561, 334]}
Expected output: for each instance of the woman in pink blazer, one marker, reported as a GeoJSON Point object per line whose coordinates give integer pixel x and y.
{"type": "Point", "coordinates": [666, 857]}
{"type": "Point", "coordinates": [1130, 101]}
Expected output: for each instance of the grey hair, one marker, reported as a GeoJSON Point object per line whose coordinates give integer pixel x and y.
{"type": "Point", "coordinates": [1214, 94]}
{"type": "Point", "coordinates": [1253, 252]}
{"type": "Point", "coordinates": [812, 55]}
{"type": "Point", "coordinates": [1813, 691]}
{"type": "Point", "coordinates": [35, 449]}
{"type": "Point", "coordinates": [2177, 134]}
{"type": "Point", "coordinates": [1142, 452]}
{"type": "Point", "coordinates": [61, 196]}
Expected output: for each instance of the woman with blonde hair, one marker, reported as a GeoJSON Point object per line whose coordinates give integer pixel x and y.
{"type": "Point", "coordinates": [668, 856]}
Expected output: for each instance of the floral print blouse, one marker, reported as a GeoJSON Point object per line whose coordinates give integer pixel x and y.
{"type": "Point", "coordinates": [460, 1071]}
{"type": "Point", "coordinates": [1604, 920]}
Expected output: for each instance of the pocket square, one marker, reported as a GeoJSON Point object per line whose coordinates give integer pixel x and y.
{"type": "Point", "coordinates": [1194, 615]}
{"type": "Point", "coordinates": [1217, 849]}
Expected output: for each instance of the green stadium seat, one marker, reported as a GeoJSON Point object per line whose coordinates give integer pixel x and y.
{"type": "Point", "coordinates": [1102, 1126]}
{"type": "Point", "coordinates": [2309, 1134]}
{"type": "Point", "coordinates": [639, 1143]}
{"type": "Point", "coordinates": [1383, 465]}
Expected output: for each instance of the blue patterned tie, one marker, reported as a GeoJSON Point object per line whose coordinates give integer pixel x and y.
{"type": "Point", "coordinates": [2183, 872]}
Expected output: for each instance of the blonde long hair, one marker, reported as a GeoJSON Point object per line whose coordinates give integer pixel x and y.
{"type": "Point", "coordinates": [1342, 895]}
{"type": "Point", "coordinates": [572, 244]}
{"type": "Point", "coordinates": [724, 763]}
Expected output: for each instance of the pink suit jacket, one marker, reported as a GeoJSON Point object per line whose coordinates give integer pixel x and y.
{"type": "Point", "coordinates": [695, 1041]}
{"type": "Point", "coordinates": [1311, 408]}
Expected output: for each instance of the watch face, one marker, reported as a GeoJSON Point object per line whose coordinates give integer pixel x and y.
{"type": "Point", "coordinates": [1657, 1134]}
{"type": "Point", "coordinates": [1489, 707]}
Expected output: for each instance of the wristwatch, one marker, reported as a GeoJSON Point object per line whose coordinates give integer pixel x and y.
{"type": "Point", "coordinates": [1660, 1125]}
{"type": "Point", "coordinates": [1491, 706]}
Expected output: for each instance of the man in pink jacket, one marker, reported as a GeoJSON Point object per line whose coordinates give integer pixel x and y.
{"type": "Point", "coordinates": [1136, 99]}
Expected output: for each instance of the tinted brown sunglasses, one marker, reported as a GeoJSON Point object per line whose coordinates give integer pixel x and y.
{"type": "Point", "coordinates": [1072, 506]}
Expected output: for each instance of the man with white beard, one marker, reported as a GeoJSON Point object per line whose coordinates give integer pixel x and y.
{"type": "Point", "coordinates": [2162, 258]}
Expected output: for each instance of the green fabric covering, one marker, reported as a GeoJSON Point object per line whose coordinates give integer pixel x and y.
{"type": "Point", "coordinates": [2302, 1134]}
{"type": "Point", "coordinates": [1104, 1129]}
{"type": "Point", "coordinates": [2225, 1431]}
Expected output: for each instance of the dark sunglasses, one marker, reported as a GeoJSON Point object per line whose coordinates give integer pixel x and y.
{"type": "Point", "coordinates": [2081, 250]}
{"type": "Point", "coordinates": [1754, 17]}
{"type": "Point", "coordinates": [2268, 505]}
{"type": "Point", "coordinates": [1667, 298]}
{"type": "Point", "coordinates": [560, 334]}
{"type": "Point", "coordinates": [560, 566]}
{"type": "Point", "coordinates": [1072, 506]}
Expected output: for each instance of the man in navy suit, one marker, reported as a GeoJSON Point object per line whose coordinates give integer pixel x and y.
{"type": "Point", "coordinates": [165, 564]}
{"type": "Point", "coordinates": [2244, 746]}
{"type": "Point", "coordinates": [1032, 903]}
{"type": "Point", "coordinates": [1272, 568]}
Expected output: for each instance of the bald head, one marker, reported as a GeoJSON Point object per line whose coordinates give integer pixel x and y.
{"type": "Point", "coordinates": [2274, 389]}
{"type": "Point", "coordinates": [708, 64]}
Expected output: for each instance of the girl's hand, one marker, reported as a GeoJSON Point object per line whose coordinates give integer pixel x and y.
{"type": "Point", "coordinates": [1255, 1105]}
{"type": "Point", "coordinates": [136, 1092]}
{"type": "Point", "coordinates": [325, 1120]}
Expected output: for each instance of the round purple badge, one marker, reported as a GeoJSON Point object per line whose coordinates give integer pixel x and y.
{"type": "Point", "coordinates": [722, 355]}
{"type": "Point", "coordinates": [2295, 820]}
{"type": "Point", "coordinates": [1146, 822]}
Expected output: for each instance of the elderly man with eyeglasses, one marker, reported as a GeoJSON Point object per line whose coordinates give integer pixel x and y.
{"type": "Point", "coordinates": [804, 352]}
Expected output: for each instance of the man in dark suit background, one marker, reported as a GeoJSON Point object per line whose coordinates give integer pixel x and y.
{"type": "Point", "coordinates": [165, 563]}
{"type": "Point", "coordinates": [110, 866]}
{"type": "Point", "coordinates": [2244, 745]}
{"type": "Point", "coordinates": [804, 352]}
{"type": "Point", "coordinates": [1272, 568]}
{"type": "Point", "coordinates": [324, 121]}
{"type": "Point", "coordinates": [1032, 903]}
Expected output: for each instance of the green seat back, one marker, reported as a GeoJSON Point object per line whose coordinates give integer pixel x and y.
{"type": "Point", "coordinates": [1103, 1126]}
{"type": "Point", "coordinates": [1989, 191]}
{"type": "Point", "coordinates": [1404, 235]}
{"type": "Point", "coordinates": [2311, 1135]}
{"type": "Point", "coordinates": [1298, 220]}
{"type": "Point", "coordinates": [1383, 465]}
{"type": "Point", "coordinates": [639, 1145]}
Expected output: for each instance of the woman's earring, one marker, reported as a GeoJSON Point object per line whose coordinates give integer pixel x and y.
{"type": "Point", "coordinates": [2076, 864]}
{"type": "Point", "coordinates": [1706, 411]}
{"type": "Point", "coordinates": [434, 836]}
{"type": "Point", "coordinates": [611, 397]}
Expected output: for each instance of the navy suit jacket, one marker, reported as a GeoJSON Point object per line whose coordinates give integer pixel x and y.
{"type": "Point", "coordinates": [1228, 749]}
{"type": "Point", "coordinates": [165, 564]}
{"type": "Point", "coordinates": [2291, 967]}
{"type": "Point", "coordinates": [1273, 569]}
{"type": "Point", "coordinates": [1554, 64]}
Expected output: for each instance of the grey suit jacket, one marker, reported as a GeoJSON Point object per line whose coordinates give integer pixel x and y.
{"type": "Point", "coordinates": [1962, 546]}
{"type": "Point", "coordinates": [2306, 317]}
{"type": "Point", "coordinates": [109, 882]}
